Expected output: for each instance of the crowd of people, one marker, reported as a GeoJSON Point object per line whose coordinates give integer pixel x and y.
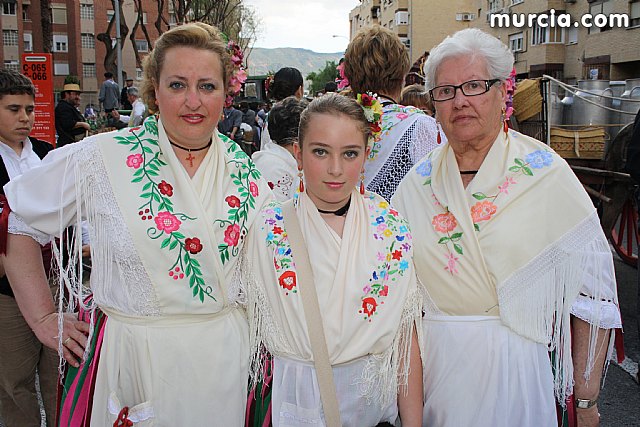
{"type": "Point", "coordinates": [381, 255]}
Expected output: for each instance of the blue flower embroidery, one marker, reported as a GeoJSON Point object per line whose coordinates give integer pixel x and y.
{"type": "Point", "coordinates": [424, 168]}
{"type": "Point", "coordinates": [403, 229]}
{"type": "Point", "coordinates": [380, 219]}
{"type": "Point", "coordinates": [403, 265]}
{"type": "Point", "coordinates": [539, 159]}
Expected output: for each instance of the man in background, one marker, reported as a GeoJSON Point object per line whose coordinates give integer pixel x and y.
{"type": "Point", "coordinates": [70, 123]}
{"type": "Point", "coordinates": [109, 97]}
{"type": "Point", "coordinates": [124, 96]}
{"type": "Point", "coordinates": [137, 109]}
{"type": "Point", "coordinates": [21, 353]}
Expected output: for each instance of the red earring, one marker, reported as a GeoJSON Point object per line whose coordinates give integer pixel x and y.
{"type": "Point", "coordinates": [362, 182]}
{"type": "Point", "coordinates": [438, 137]}
{"type": "Point", "coordinates": [300, 177]}
{"type": "Point", "coordinates": [505, 121]}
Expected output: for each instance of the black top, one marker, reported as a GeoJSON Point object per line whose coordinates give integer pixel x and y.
{"type": "Point", "coordinates": [66, 118]}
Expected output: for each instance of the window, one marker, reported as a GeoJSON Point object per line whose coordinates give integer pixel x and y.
{"type": "Point", "coordinates": [9, 8]}
{"type": "Point", "coordinates": [110, 15]}
{"type": "Point", "coordinates": [10, 37]}
{"type": "Point", "coordinates": [542, 35]}
{"type": "Point", "coordinates": [12, 65]}
{"type": "Point", "coordinates": [88, 70]}
{"type": "Point", "coordinates": [60, 43]}
{"type": "Point", "coordinates": [87, 41]}
{"type": "Point", "coordinates": [59, 15]}
{"type": "Point", "coordinates": [572, 35]}
{"type": "Point", "coordinates": [86, 11]}
{"type": "Point", "coordinates": [494, 6]}
{"type": "Point", "coordinates": [596, 71]}
{"type": "Point", "coordinates": [138, 73]}
{"type": "Point", "coordinates": [516, 42]}
{"type": "Point", "coordinates": [28, 42]}
{"type": "Point", "coordinates": [25, 13]}
{"type": "Point", "coordinates": [603, 7]}
{"type": "Point", "coordinates": [142, 46]}
{"type": "Point", "coordinates": [144, 17]}
{"type": "Point", "coordinates": [61, 68]}
{"type": "Point", "coordinates": [172, 19]}
{"type": "Point", "coordinates": [634, 13]}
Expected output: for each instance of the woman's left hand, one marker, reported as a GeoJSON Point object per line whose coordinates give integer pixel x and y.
{"type": "Point", "coordinates": [588, 417]}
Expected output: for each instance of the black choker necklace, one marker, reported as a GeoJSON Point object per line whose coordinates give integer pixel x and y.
{"type": "Point", "coordinates": [340, 212]}
{"type": "Point", "coordinates": [190, 158]}
{"type": "Point", "coordinates": [468, 172]}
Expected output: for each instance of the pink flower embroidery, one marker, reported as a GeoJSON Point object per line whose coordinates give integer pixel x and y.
{"type": "Point", "coordinates": [384, 292]}
{"type": "Point", "coordinates": [134, 160]}
{"type": "Point", "coordinates": [452, 263]}
{"type": "Point", "coordinates": [232, 201]}
{"type": "Point", "coordinates": [402, 116]}
{"type": "Point", "coordinates": [483, 211]}
{"type": "Point", "coordinates": [504, 188]}
{"type": "Point", "coordinates": [253, 189]}
{"type": "Point", "coordinates": [232, 235]}
{"type": "Point", "coordinates": [167, 222]}
{"type": "Point", "coordinates": [444, 223]}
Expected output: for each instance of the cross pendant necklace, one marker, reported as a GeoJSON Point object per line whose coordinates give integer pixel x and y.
{"type": "Point", "coordinates": [190, 157]}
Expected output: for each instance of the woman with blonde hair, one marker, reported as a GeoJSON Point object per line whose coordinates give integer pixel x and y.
{"type": "Point", "coordinates": [168, 205]}
{"type": "Point", "coordinates": [376, 61]}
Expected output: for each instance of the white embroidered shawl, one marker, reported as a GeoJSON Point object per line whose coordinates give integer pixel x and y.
{"type": "Point", "coordinates": [279, 168]}
{"type": "Point", "coordinates": [514, 243]}
{"type": "Point", "coordinates": [365, 282]}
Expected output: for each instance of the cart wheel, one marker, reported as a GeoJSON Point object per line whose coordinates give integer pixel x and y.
{"type": "Point", "coordinates": [624, 234]}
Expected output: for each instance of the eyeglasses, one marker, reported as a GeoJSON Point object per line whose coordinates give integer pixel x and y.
{"type": "Point", "coordinates": [470, 88]}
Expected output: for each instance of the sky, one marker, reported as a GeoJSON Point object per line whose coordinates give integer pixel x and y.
{"type": "Point", "coordinates": [309, 24]}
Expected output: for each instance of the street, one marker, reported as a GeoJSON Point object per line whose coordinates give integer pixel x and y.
{"type": "Point", "coordinates": [619, 403]}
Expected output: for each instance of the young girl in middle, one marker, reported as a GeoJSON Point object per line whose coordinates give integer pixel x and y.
{"type": "Point", "coordinates": [360, 252]}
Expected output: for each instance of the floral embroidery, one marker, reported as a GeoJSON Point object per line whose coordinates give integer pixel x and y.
{"type": "Point", "coordinates": [277, 239]}
{"type": "Point", "coordinates": [393, 261]}
{"type": "Point", "coordinates": [157, 205]}
{"type": "Point", "coordinates": [486, 208]}
{"type": "Point", "coordinates": [244, 175]}
{"type": "Point", "coordinates": [391, 116]}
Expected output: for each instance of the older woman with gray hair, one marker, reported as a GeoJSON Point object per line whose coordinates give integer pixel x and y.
{"type": "Point", "coordinates": [511, 254]}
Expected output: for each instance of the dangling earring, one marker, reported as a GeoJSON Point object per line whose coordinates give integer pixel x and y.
{"type": "Point", "coordinates": [362, 182]}
{"type": "Point", "coordinates": [300, 177]}
{"type": "Point", "coordinates": [505, 122]}
{"type": "Point", "coordinates": [438, 137]}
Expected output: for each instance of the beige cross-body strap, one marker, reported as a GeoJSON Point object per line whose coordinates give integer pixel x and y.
{"type": "Point", "coordinates": [309, 298]}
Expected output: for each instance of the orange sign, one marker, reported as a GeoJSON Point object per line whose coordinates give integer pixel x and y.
{"type": "Point", "coordinates": [39, 68]}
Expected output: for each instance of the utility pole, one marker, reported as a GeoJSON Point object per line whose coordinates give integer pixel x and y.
{"type": "Point", "coordinates": [118, 42]}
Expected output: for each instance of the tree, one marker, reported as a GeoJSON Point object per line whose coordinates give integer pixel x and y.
{"type": "Point", "coordinates": [110, 58]}
{"type": "Point", "coordinates": [321, 77]}
{"type": "Point", "coordinates": [45, 17]}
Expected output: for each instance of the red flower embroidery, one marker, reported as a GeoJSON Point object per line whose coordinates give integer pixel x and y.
{"type": "Point", "coordinates": [165, 188]}
{"type": "Point", "coordinates": [232, 201]}
{"type": "Point", "coordinates": [232, 235]}
{"type": "Point", "coordinates": [193, 245]}
{"type": "Point", "coordinates": [384, 292]}
{"type": "Point", "coordinates": [135, 160]}
{"type": "Point", "coordinates": [369, 305]}
{"type": "Point", "coordinates": [483, 211]}
{"type": "Point", "coordinates": [134, 129]}
{"type": "Point", "coordinates": [277, 230]}
{"type": "Point", "coordinates": [287, 280]}
{"type": "Point", "coordinates": [271, 185]}
{"type": "Point", "coordinates": [253, 189]}
{"type": "Point", "coordinates": [393, 212]}
{"type": "Point", "coordinates": [396, 255]}
{"type": "Point", "coordinates": [167, 222]}
{"type": "Point", "coordinates": [444, 223]}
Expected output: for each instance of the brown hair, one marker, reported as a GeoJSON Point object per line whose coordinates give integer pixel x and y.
{"type": "Point", "coordinates": [376, 60]}
{"type": "Point", "coordinates": [334, 104]}
{"type": "Point", "coordinates": [14, 83]}
{"type": "Point", "coordinates": [416, 96]}
{"type": "Point", "coordinates": [196, 35]}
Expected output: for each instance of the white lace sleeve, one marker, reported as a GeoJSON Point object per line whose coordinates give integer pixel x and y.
{"type": "Point", "coordinates": [599, 290]}
{"type": "Point", "coordinates": [424, 138]}
{"type": "Point", "coordinates": [45, 196]}
{"type": "Point", "coordinates": [18, 226]}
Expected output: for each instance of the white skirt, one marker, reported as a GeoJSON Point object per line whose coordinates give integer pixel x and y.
{"type": "Point", "coordinates": [480, 373]}
{"type": "Point", "coordinates": [295, 399]}
{"type": "Point", "coordinates": [186, 370]}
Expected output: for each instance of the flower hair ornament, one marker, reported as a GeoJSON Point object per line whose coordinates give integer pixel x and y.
{"type": "Point", "coordinates": [268, 82]}
{"type": "Point", "coordinates": [373, 112]}
{"type": "Point", "coordinates": [511, 88]}
{"type": "Point", "coordinates": [238, 75]}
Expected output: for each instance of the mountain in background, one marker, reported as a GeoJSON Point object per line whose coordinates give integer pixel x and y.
{"type": "Point", "coordinates": [262, 60]}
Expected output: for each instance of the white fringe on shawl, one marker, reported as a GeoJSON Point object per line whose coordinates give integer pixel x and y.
{"type": "Point", "coordinates": [385, 374]}
{"type": "Point", "coordinates": [536, 300]}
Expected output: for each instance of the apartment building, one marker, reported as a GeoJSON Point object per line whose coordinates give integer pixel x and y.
{"type": "Point", "coordinates": [75, 26]}
{"type": "Point", "coordinates": [570, 54]}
